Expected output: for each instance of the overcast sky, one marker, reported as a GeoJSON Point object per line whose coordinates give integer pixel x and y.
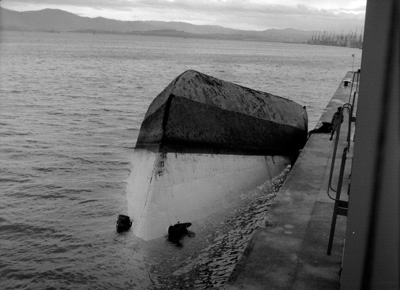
{"type": "Point", "coordinates": [333, 15]}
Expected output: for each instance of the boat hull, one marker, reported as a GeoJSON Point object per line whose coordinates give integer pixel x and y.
{"type": "Point", "coordinates": [203, 143]}
{"type": "Point", "coordinates": [197, 112]}
{"type": "Point", "coordinates": [167, 188]}
{"type": "Point", "coordinates": [191, 126]}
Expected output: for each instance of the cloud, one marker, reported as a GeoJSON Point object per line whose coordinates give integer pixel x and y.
{"type": "Point", "coordinates": [240, 14]}
{"type": "Point", "coordinates": [96, 4]}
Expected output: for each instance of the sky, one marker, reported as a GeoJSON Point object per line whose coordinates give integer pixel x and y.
{"type": "Point", "coordinates": [331, 15]}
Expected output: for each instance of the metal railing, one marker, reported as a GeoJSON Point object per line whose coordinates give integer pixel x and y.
{"type": "Point", "coordinates": [341, 206]}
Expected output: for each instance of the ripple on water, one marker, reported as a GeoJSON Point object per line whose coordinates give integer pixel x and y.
{"type": "Point", "coordinates": [67, 134]}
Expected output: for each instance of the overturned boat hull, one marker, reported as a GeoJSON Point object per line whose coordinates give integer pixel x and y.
{"type": "Point", "coordinates": [202, 144]}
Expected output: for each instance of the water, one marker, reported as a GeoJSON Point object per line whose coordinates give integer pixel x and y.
{"type": "Point", "coordinates": [70, 110]}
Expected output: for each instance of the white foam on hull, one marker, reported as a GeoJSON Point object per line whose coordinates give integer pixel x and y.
{"type": "Point", "coordinates": [165, 188]}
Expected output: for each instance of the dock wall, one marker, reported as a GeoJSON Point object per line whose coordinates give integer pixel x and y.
{"type": "Point", "coordinates": [290, 250]}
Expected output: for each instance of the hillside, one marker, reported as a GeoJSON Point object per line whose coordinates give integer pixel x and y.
{"type": "Point", "coordinates": [61, 21]}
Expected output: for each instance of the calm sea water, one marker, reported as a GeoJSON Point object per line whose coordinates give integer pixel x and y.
{"type": "Point", "coordinates": [70, 110]}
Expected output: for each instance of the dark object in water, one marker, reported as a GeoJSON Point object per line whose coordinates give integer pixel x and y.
{"type": "Point", "coordinates": [177, 232]}
{"type": "Point", "coordinates": [325, 128]}
{"type": "Point", "coordinates": [124, 223]}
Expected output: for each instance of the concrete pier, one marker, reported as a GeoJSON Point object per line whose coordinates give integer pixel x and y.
{"type": "Point", "coordinates": [290, 250]}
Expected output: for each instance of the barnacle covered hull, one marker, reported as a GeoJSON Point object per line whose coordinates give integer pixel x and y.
{"type": "Point", "coordinates": [202, 144]}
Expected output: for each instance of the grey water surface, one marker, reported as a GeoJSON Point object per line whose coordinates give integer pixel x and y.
{"type": "Point", "coordinates": [70, 110]}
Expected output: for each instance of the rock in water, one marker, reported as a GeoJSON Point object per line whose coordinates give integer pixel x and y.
{"type": "Point", "coordinates": [124, 223]}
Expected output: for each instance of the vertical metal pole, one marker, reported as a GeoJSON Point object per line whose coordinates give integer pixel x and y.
{"type": "Point", "coordinates": [337, 201]}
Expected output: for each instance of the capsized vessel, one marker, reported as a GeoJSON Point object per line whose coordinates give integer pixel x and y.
{"type": "Point", "coordinates": [203, 143]}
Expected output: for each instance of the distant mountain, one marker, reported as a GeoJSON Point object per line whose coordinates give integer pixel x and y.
{"type": "Point", "coordinates": [55, 20]}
